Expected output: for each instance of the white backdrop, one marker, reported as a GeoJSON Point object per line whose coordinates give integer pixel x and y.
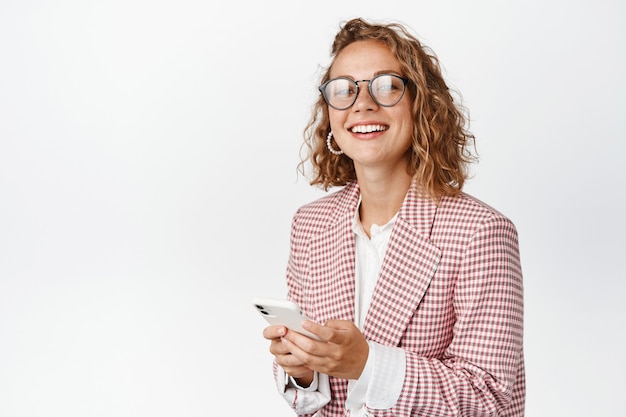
{"type": "Point", "coordinates": [148, 154]}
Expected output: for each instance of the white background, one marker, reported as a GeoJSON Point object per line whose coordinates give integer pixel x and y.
{"type": "Point", "coordinates": [148, 154]}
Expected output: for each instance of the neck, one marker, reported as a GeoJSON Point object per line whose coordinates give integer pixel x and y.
{"type": "Point", "coordinates": [381, 197]}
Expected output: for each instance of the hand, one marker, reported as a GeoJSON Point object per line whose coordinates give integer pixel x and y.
{"type": "Point", "coordinates": [342, 353]}
{"type": "Point", "coordinates": [291, 364]}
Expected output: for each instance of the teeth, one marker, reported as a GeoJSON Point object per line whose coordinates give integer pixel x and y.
{"type": "Point", "coordinates": [368, 128]}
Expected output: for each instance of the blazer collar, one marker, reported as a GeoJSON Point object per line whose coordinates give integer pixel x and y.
{"type": "Point", "coordinates": [410, 263]}
{"type": "Point", "coordinates": [416, 210]}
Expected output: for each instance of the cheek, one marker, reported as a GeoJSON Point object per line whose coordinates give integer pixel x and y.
{"type": "Point", "coordinates": [336, 120]}
{"type": "Point", "coordinates": [407, 122]}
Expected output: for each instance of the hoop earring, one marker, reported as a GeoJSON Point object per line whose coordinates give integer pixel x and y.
{"type": "Point", "coordinates": [330, 147]}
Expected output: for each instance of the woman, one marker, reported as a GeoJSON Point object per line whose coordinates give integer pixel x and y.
{"type": "Point", "coordinates": [414, 287]}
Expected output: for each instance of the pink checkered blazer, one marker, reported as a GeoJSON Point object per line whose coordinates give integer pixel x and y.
{"type": "Point", "coordinates": [449, 293]}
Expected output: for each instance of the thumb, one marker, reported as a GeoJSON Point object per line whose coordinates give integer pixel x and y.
{"type": "Point", "coordinates": [339, 324]}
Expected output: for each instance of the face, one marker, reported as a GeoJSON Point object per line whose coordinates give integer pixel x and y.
{"type": "Point", "coordinates": [373, 136]}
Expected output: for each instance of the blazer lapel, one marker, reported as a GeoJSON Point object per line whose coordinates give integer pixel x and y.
{"type": "Point", "coordinates": [408, 267]}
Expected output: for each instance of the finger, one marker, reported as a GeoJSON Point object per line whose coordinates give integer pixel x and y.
{"type": "Point", "coordinates": [303, 343]}
{"type": "Point", "coordinates": [304, 350]}
{"type": "Point", "coordinates": [277, 347]}
{"type": "Point", "coordinates": [323, 332]}
{"type": "Point", "coordinates": [336, 331]}
{"type": "Point", "coordinates": [340, 324]}
{"type": "Point", "coordinates": [274, 332]}
{"type": "Point", "coordinates": [289, 360]}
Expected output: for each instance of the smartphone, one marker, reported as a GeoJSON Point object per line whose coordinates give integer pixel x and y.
{"type": "Point", "coordinates": [282, 312]}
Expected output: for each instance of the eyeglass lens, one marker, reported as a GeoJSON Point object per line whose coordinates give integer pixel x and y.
{"type": "Point", "coordinates": [386, 90]}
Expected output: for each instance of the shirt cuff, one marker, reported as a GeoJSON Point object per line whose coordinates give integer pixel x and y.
{"type": "Point", "coordinates": [304, 400]}
{"type": "Point", "coordinates": [380, 384]}
{"type": "Point", "coordinates": [291, 382]}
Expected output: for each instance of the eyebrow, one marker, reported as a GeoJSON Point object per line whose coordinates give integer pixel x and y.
{"type": "Point", "coordinates": [375, 74]}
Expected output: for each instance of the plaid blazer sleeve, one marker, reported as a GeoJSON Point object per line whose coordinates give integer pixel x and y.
{"type": "Point", "coordinates": [480, 372]}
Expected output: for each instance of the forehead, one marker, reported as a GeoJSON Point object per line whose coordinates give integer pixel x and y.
{"type": "Point", "coordinates": [364, 59]}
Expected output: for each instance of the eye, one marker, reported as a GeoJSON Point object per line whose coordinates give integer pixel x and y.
{"type": "Point", "coordinates": [386, 84]}
{"type": "Point", "coordinates": [384, 88]}
{"type": "Point", "coordinates": [341, 88]}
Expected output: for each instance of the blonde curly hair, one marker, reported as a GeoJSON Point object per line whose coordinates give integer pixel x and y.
{"type": "Point", "coordinates": [440, 152]}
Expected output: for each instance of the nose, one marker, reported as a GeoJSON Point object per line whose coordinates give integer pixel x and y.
{"type": "Point", "coordinates": [364, 100]}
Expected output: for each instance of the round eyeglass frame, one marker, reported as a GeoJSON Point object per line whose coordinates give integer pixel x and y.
{"type": "Point", "coordinates": [322, 89]}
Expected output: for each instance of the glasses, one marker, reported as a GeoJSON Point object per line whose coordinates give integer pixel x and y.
{"type": "Point", "coordinates": [385, 89]}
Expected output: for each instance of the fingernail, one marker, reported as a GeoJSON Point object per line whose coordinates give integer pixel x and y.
{"type": "Point", "coordinates": [281, 331]}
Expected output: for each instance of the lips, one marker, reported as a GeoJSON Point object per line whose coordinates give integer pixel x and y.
{"type": "Point", "coordinates": [368, 128]}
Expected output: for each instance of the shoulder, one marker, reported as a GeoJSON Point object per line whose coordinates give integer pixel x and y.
{"type": "Point", "coordinates": [318, 214]}
{"type": "Point", "coordinates": [468, 213]}
{"type": "Point", "coordinates": [469, 205]}
{"type": "Point", "coordinates": [322, 205]}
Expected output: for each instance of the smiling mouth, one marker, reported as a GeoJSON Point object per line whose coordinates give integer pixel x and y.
{"type": "Point", "coordinates": [368, 128]}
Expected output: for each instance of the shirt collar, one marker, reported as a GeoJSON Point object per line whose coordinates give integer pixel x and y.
{"type": "Point", "coordinates": [375, 230]}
